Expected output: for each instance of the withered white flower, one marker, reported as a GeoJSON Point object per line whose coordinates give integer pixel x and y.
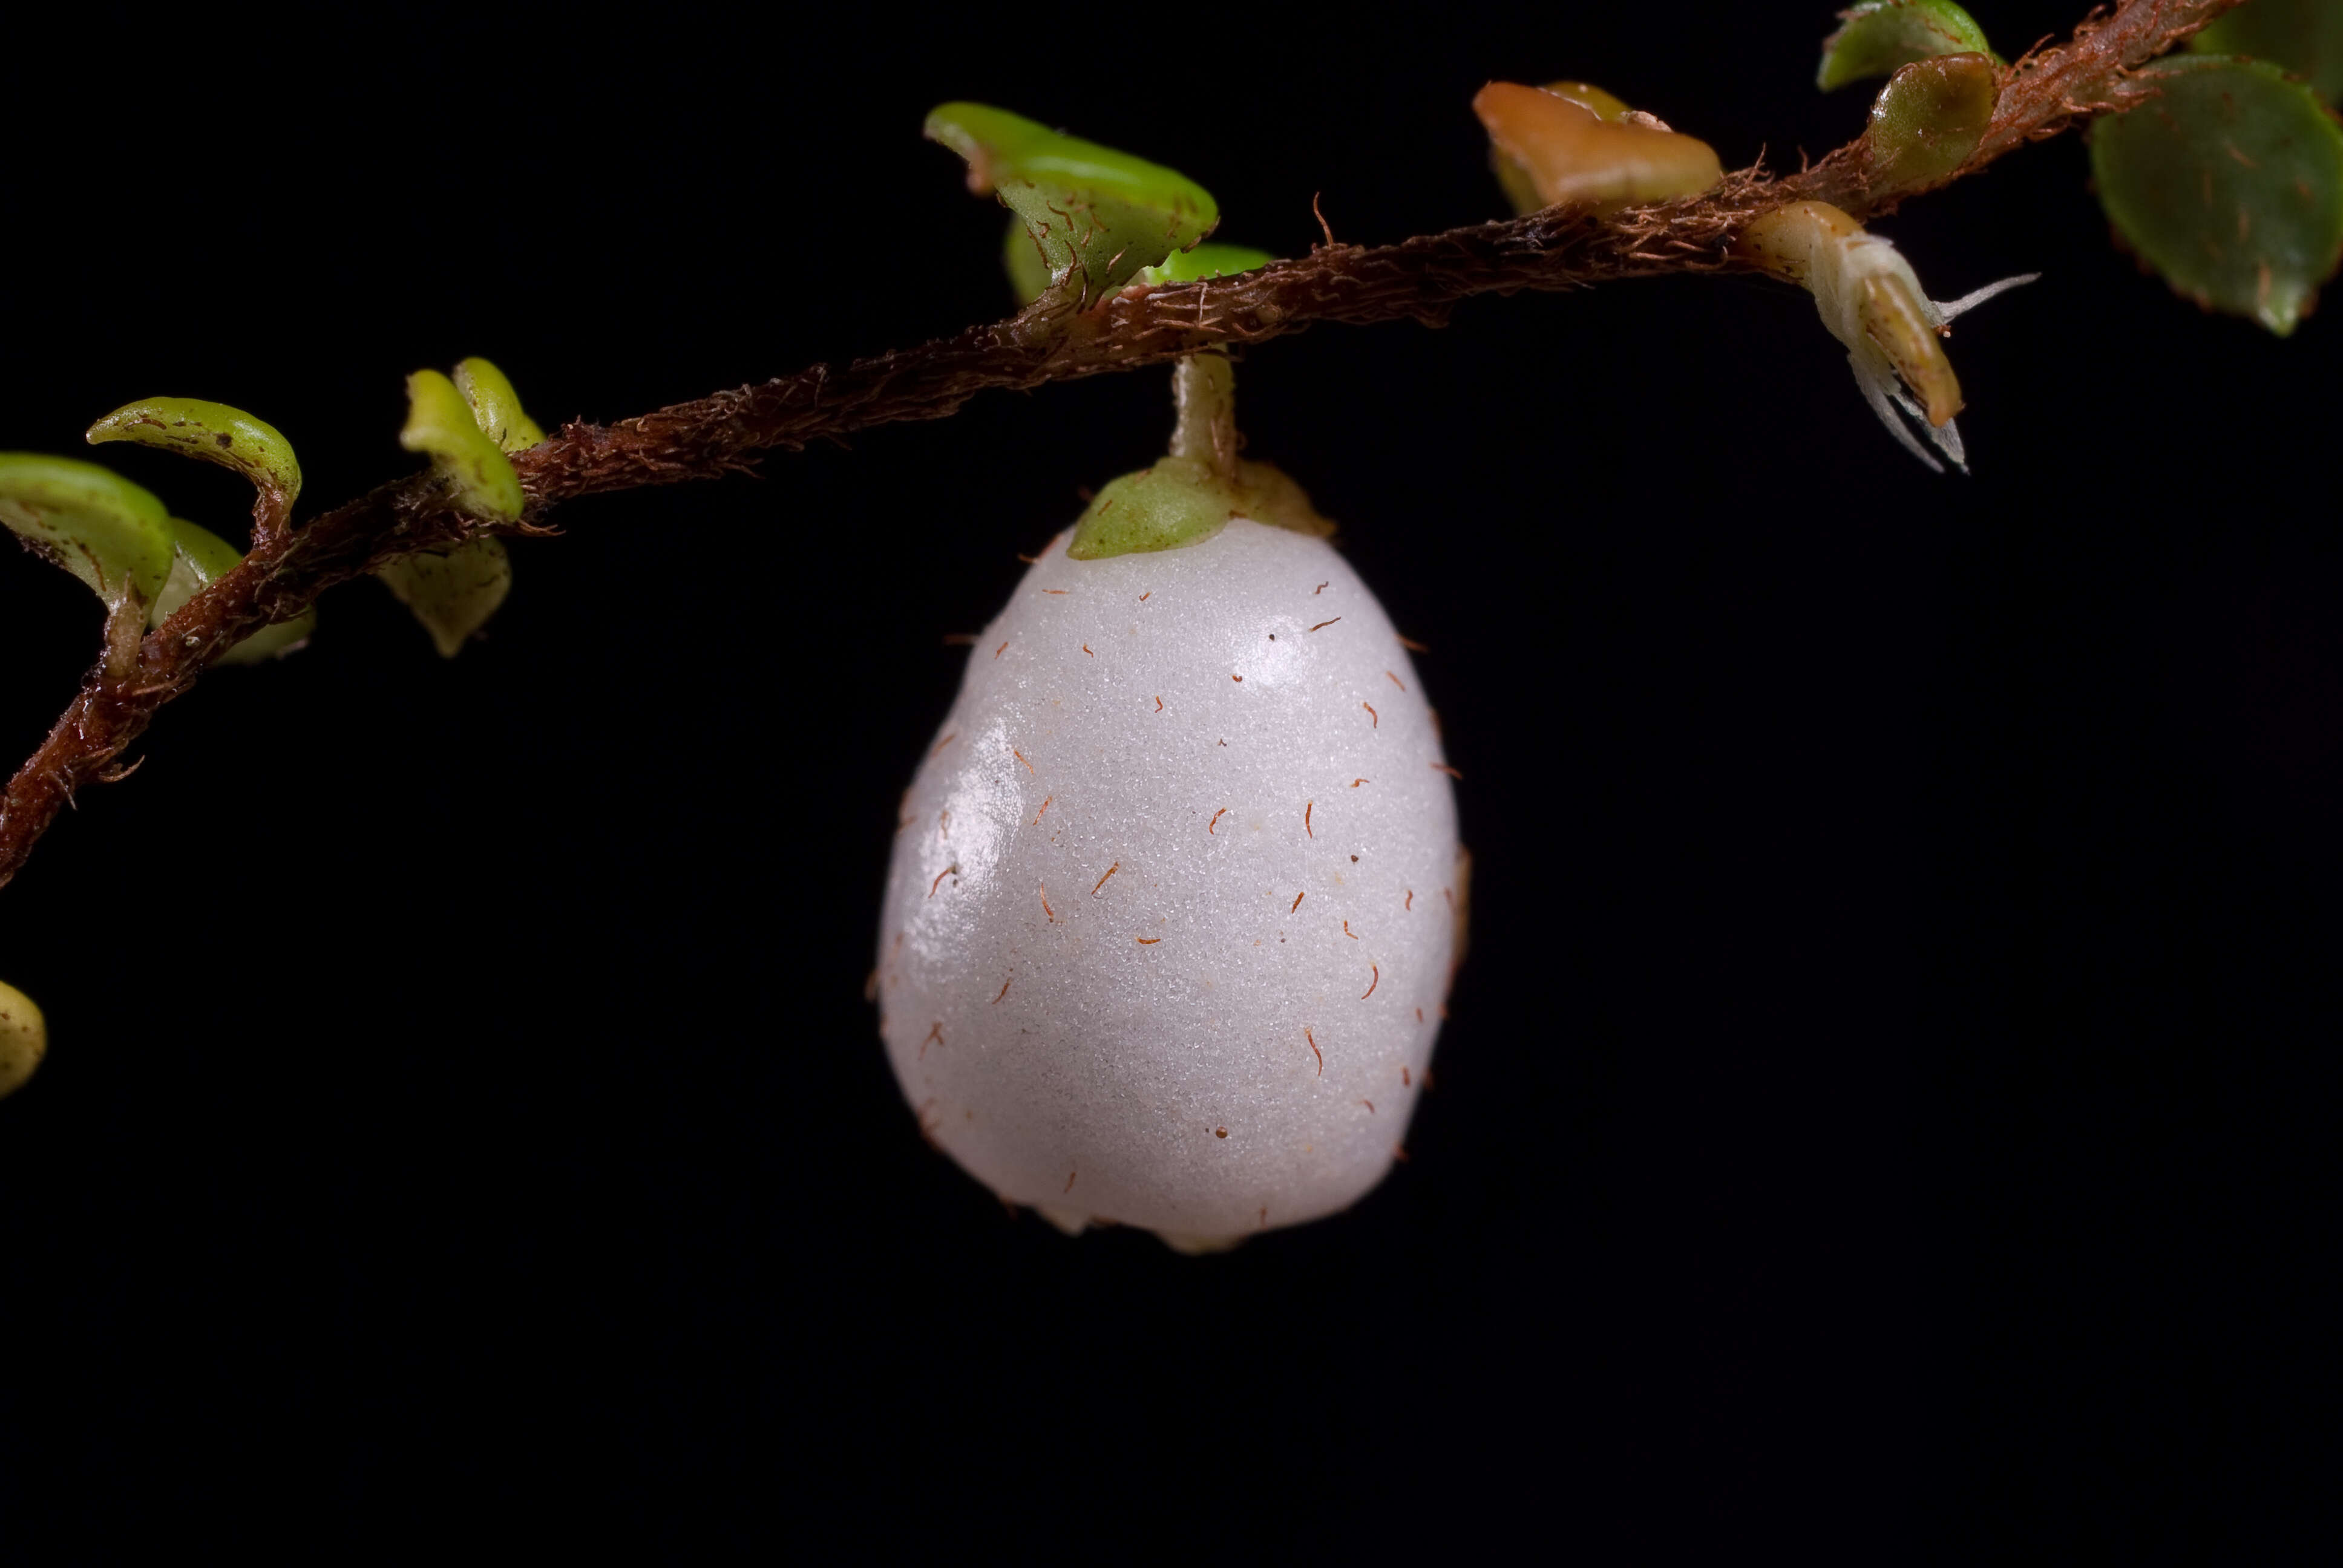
{"type": "Point", "coordinates": [1870, 300]}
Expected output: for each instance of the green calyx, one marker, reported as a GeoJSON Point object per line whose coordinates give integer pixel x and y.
{"type": "Point", "coordinates": [113, 535]}
{"type": "Point", "coordinates": [215, 433]}
{"type": "Point", "coordinates": [1181, 501]}
{"type": "Point", "coordinates": [2230, 183]}
{"type": "Point", "coordinates": [440, 421]}
{"type": "Point", "coordinates": [1193, 493]}
{"type": "Point", "coordinates": [1877, 36]}
{"type": "Point", "coordinates": [1089, 216]}
{"type": "Point", "coordinates": [1929, 119]}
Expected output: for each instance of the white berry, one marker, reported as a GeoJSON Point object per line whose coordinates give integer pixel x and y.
{"type": "Point", "coordinates": [1173, 900]}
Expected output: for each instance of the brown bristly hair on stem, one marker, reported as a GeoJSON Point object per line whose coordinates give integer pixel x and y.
{"type": "Point", "coordinates": [1417, 279]}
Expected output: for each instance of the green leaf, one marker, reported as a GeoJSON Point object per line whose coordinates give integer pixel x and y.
{"type": "Point", "coordinates": [1206, 260]}
{"type": "Point", "coordinates": [468, 434]}
{"type": "Point", "coordinates": [200, 557]}
{"type": "Point", "coordinates": [213, 432]}
{"type": "Point", "coordinates": [98, 526]}
{"type": "Point", "coordinates": [440, 422]}
{"type": "Point", "coordinates": [495, 406]}
{"type": "Point", "coordinates": [1092, 217]}
{"type": "Point", "coordinates": [1550, 148]}
{"type": "Point", "coordinates": [1520, 189]}
{"type": "Point", "coordinates": [1878, 35]}
{"type": "Point", "coordinates": [2304, 37]}
{"type": "Point", "coordinates": [2230, 183]}
{"type": "Point", "coordinates": [453, 595]}
{"type": "Point", "coordinates": [1929, 119]}
{"type": "Point", "coordinates": [23, 1039]}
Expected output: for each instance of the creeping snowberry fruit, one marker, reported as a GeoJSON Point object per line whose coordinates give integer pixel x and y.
{"type": "Point", "coordinates": [1176, 893]}
{"type": "Point", "coordinates": [23, 1039]}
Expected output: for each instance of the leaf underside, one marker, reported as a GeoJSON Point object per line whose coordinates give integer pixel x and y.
{"type": "Point", "coordinates": [2229, 184]}
{"type": "Point", "coordinates": [2304, 37]}
{"type": "Point", "coordinates": [454, 593]}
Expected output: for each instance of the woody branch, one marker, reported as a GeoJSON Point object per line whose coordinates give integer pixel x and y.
{"type": "Point", "coordinates": [1420, 279]}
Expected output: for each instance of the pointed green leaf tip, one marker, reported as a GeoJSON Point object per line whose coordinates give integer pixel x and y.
{"type": "Point", "coordinates": [98, 526]}
{"type": "Point", "coordinates": [2230, 183]}
{"type": "Point", "coordinates": [1092, 217]}
{"type": "Point", "coordinates": [200, 556]}
{"type": "Point", "coordinates": [1876, 36]}
{"type": "Point", "coordinates": [213, 432]}
{"type": "Point", "coordinates": [2304, 37]}
{"type": "Point", "coordinates": [439, 421]}
{"type": "Point", "coordinates": [495, 406]}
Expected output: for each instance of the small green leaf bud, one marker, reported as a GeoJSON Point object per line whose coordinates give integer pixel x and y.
{"type": "Point", "coordinates": [440, 422]}
{"type": "Point", "coordinates": [495, 406]}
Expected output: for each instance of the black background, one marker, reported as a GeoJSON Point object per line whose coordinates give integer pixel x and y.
{"type": "Point", "coordinates": [1877, 1112]}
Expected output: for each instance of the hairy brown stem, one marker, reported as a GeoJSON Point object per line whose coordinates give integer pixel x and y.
{"type": "Point", "coordinates": [1420, 279]}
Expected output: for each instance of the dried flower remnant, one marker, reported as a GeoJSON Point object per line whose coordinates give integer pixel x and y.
{"type": "Point", "coordinates": [1870, 300]}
